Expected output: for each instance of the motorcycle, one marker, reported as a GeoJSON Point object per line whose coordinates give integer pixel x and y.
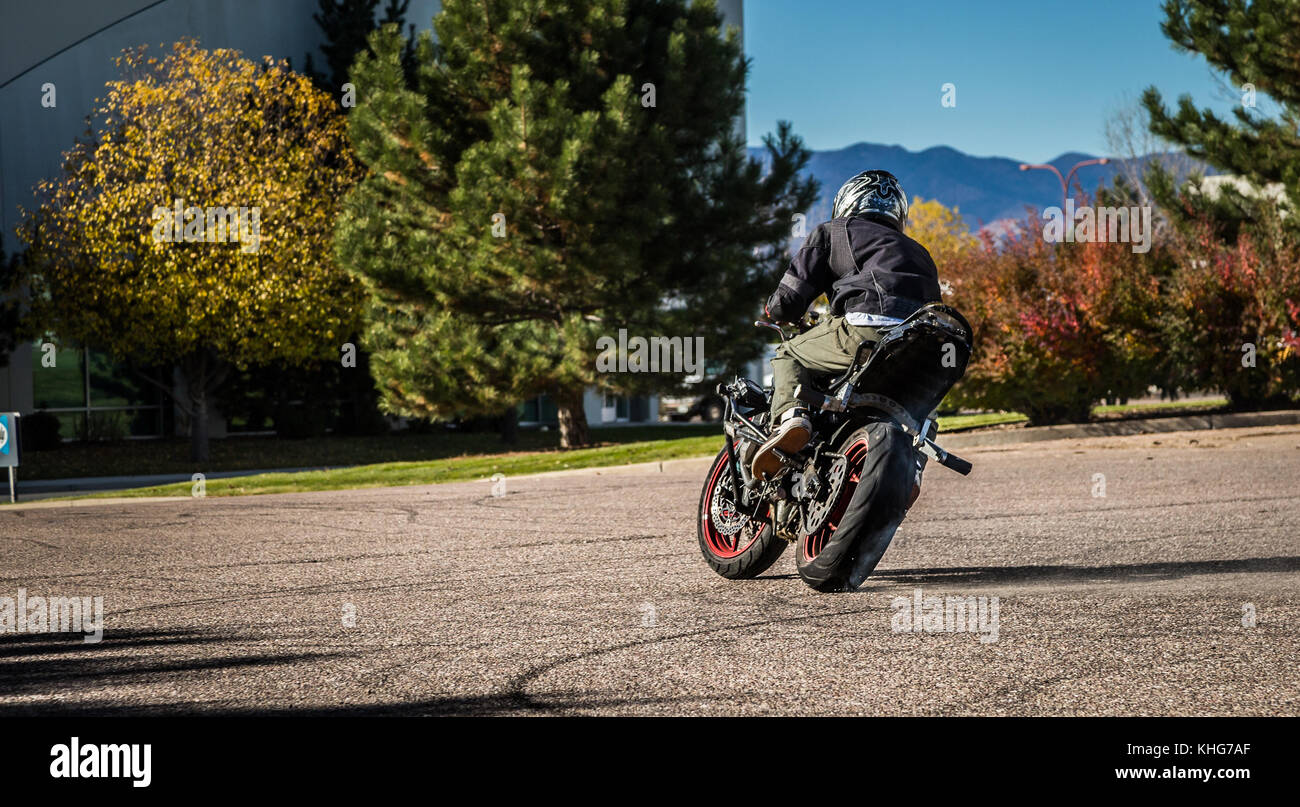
{"type": "Point", "coordinates": [842, 497]}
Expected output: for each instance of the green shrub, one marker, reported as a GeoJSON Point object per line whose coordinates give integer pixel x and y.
{"type": "Point", "coordinates": [104, 426]}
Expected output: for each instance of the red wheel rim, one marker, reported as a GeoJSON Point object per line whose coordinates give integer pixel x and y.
{"type": "Point", "coordinates": [856, 454]}
{"type": "Point", "coordinates": [727, 546]}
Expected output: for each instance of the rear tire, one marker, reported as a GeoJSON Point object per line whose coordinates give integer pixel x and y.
{"type": "Point", "coordinates": [745, 554]}
{"type": "Point", "coordinates": [876, 494]}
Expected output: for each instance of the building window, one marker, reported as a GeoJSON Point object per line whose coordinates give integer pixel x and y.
{"type": "Point", "coordinates": [540, 409]}
{"type": "Point", "coordinates": [94, 397]}
{"type": "Point", "coordinates": [623, 408]}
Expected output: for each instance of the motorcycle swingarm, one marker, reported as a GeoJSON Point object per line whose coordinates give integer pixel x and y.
{"type": "Point", "coordinates": [899, 415]}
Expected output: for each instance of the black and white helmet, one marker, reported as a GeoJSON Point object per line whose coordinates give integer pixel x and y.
{"type": "Point", "coordinates": [877, 192]}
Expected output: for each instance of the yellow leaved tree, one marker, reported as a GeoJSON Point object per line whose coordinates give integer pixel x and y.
{"type": "Point", "coordinates": [193, 224]}
{"type": "Point", "coordinates": [939, 229]}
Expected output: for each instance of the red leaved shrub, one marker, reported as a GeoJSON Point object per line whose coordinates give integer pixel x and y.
{"type": "Point", "coordinates": [1058, 326]}
{"type": "Point", "coordinates": [1233, 315]}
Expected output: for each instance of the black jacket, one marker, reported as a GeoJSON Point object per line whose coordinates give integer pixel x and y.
{"type": "Point", "coordinates": [892, 275]}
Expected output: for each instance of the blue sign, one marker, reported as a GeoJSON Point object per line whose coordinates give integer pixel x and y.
{"type": "Point", "coordinates": [8, 439]}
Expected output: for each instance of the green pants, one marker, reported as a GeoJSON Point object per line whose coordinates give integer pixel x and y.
{"type": "Point", "coordinates": [826, 348]}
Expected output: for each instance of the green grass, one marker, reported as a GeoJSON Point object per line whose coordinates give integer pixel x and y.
{"type": "Point", "coordinates": [953, 423]}
{"type": "Point", "coordinates": [1126, 409]}
{"type": "Point", "coordinates": [421, 459]}
{"type": "Point", "coordinates": [460, 469]}
{"type": "Point", "coordinates": [139, 457]}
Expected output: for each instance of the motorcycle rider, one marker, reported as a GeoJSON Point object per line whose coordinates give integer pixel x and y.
{"type": "Point", "coordinates": [873, 275]}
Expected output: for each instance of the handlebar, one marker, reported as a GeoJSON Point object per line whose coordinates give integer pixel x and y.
{"type": "Point", "coordinates": [762, 323]}
{"type": "Point", "coordinates": [802, 326]}
{"type": "Point", "coordinates": [956, 463]}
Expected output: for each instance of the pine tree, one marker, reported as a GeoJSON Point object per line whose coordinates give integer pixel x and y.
{"type": "Point", "coordinates": [553, 172]}
{"type": "Point", "coordinates": [347, 25]}
{"type": "Point", "coordinates": [1255, 44]}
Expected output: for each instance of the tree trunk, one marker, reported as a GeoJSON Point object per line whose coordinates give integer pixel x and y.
{"type": "Point", "coordinates": [510, 426]}
{"type": "Point", "coordinates": [196, 382]}
{"type": "Point", "coordinates": [573, 419]}
{"type": "Point", "coordinates": [199, 423]}
{"type": "Point", "coordinates": [204, 372]}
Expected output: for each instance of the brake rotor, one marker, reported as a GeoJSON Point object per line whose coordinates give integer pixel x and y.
{"type": "Point", "coordinates": [817, 511]}
{"type": "Point", "coordinates": [727, 520]}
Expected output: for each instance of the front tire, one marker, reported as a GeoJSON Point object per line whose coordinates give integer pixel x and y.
{"type": "Point", "coordinates": [876, 494]}
{"type": "Point", "coordinates": [747, 551]}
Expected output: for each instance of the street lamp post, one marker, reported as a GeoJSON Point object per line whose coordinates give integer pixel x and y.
{"type": "Point", "coordinates": [1065, 180]}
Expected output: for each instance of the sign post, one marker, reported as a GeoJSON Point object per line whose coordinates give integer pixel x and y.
{"type": "Point", "coordinates": [9, 449]}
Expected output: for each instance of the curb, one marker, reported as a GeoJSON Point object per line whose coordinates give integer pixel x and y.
{"type": "Point", "coordinates": [91, 484]}
{"type": "Point", "coordinates": [1035, 434]}
{"type": "Point", "coordinates": [954, 441]}
{"type": "Point", "coordinates": [52, 504]}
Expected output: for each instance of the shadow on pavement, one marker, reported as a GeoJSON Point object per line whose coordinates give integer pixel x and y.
{"type": "Point", "coordinates": [476, 705]}
{"type": "Point", "coordinates": [994, 575]}
{"type": "Point", "coordinates": [36, 668]}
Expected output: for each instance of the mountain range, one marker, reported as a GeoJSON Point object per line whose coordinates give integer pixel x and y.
{"type": "Point", "coordinates": [985, 190]}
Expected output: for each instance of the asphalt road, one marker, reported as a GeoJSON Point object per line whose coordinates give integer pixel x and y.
{"type": "Point", "coordinates": [585, 593]}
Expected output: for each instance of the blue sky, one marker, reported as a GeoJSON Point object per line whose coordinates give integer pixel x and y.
{"type": "Point", "coordinates": [1034, 78]}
